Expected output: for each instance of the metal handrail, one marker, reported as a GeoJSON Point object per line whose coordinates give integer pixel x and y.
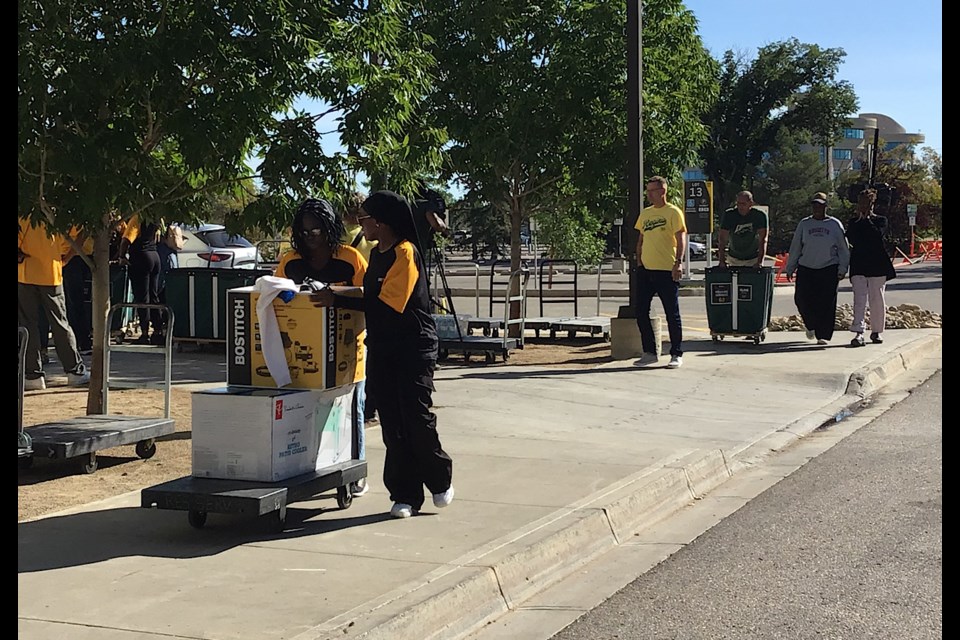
{"type": "Point", "coordinates": [522, 299]}
{"type": "Point", "coordinates": [576, 274]}
{"type": "Point", "coordinates": [168, 352]}
{"type": "Point", "coordinates": [274, 242]}
{"type": "Point", "coordinates": [24, 442]}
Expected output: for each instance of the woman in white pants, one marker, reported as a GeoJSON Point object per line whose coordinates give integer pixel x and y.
{"type": "Point", "coordinates": [870, 268]}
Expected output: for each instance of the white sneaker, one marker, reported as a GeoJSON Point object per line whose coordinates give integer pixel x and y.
{"type": "Point", "coordinates": [675, 362]}
{"type": "Point", "coordinates": [441, 500]}
{"type": "Point", "coordinates": [78, 379]}
{"type": "Point", "coordinates": [359, 488]}
{"type": "Point", "coordinates": [821, 341]}
{"type": "Point", "coordinates": [811, 335]}
{"type": "Point", "coordinates": [401, 510]}
{"type": "Point", "coordinates": [36, 384]}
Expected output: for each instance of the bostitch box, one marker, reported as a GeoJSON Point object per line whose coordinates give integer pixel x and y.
{"type": "Point", "coordinates": [322, 347]}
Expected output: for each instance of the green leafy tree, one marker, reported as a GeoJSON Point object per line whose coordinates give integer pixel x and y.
{"type": "Point", "coordinates": [133, 107]}
{"type": "Point", "coordinates": [900, 179]}
{"type": "Point", "coordinates": [788, 85]}
{"type": "Point", "coordinates": [786, 179]}
{"type": "Point", "coordinates": [533, 99]}
{"type": "Point", "coordinates": [933, 162]}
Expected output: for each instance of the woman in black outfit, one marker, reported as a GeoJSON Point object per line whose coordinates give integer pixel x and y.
{"type": "Point", "coordinates": [401, 356]}
{"type": "Point", "coordinates": [138, 250]}
{"type": "Point", "coordinates": [870, 268]}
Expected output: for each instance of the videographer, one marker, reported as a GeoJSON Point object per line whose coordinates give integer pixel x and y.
{"type": "Point", "coordinates": [430, 218]}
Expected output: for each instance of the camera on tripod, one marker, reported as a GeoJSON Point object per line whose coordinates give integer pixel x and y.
{"type": "Point", "coordinates": [886, 193]}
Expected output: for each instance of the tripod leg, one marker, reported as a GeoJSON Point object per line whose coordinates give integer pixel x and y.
{"type": "Point", "coordinates": [438, 258]}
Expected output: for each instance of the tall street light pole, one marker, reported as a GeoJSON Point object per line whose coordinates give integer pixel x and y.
{"type": "Point", "coordinates": [635, 181]}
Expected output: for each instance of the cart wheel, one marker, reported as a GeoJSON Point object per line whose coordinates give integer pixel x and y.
{"type": "Point", "coordinates": [146, 448]}
{"type": "Point", "coordinates": [24, 462]}
{"type": "Point", "coordinates": [763, 335]}
{"type": "Point", "coordinates": [496, 333]}
{"type": "Point", "coordinates": [88, 463]}
{"type": "Point", "coordinates": [277, 521]}
{"type": "Point", "coordinates": [506, 356]}
{"type": "Point", "coordinates": [197, 518]}
{"type": "Point", "coordinates": [344, 497]}
{"type": "Point", "coordinates": [757, 340]}
{"type": "Point", "coordinates": [491, 357]}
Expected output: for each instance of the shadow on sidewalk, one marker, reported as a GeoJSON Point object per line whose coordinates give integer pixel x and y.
{"type": "Point", "coordinates": [96, 536]}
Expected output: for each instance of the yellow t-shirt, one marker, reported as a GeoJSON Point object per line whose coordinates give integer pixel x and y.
{"type": "Point", "coordinates": [659, 227]}
{"type": "Point", "coordinates": [43, 264]}
{"type": "Point", "coordinates": [365, 246]}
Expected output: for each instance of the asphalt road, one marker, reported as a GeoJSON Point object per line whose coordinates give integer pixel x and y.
{"type": "Point", "coordinates": [850, 547]}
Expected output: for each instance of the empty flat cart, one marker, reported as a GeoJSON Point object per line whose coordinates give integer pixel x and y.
{"type": "Point", "coordinates": [490, 347]}
{"type": "Point", "coordinates": [82, 437]}
{"type": "Point", "coordinates": [202, 496]}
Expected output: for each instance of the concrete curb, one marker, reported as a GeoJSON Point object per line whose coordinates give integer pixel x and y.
{"type": "Point", "coordinates": [465, 598]}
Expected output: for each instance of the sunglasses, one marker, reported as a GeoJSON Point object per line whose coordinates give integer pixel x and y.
{"type": "Point", "coordinates": [313, 233]}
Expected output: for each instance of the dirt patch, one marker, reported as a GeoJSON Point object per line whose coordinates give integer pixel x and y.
{"type": "Point", "coordinates": [53, 485]}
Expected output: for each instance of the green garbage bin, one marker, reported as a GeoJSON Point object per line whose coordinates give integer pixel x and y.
{"type": "Point", "coordinates": [198, 298]}
{"type": "Point", "coordinates": [739, 301]}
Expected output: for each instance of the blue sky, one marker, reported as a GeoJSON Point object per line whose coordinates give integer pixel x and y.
{"type": "Point", "coordinates": [894, 48]}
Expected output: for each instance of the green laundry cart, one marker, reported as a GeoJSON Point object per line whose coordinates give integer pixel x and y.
{"type": "Point", "coordinates": [739, 302]}
{"type": "Point", "coordinates": [198, 298]}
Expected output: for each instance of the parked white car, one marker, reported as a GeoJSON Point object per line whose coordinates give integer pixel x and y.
{"type": "Point", "coordinates": [209, 245]}
{"type": "Point", "coordinates": [698, 250]}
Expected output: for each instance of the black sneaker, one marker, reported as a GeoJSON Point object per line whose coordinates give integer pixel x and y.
{"type": "Point", "coordinates": [857, 341]}
{"type": "Point", "coordinates": [876, 338]}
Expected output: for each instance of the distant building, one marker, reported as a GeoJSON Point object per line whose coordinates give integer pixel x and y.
{"type": "Point", "coordinates": [854, 150]}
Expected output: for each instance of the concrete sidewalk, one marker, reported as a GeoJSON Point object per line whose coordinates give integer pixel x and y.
{"type": "Point", "coordinates": [553, 466]}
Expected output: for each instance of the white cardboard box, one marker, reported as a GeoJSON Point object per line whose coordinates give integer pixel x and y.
{"type": "Point", "coordinates": [270, 435]}
{"type": "Point", "coordinates": [333, 417]}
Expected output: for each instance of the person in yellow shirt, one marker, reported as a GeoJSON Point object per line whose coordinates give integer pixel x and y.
{"type": "Point", "coordinates": [352, 230]}
{"type": "Point", "coordinates": [40, 256]}
{"type": "Point", "coordinates": [660, 245]}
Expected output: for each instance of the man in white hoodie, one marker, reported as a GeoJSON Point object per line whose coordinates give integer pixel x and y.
{"type": "Point", "coordinates": [819, 255]}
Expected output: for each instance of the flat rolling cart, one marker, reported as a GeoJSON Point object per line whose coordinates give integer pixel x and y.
{"type": "Point", "coordinates": [82, 437]}
{"type": "Point", "coordinates": [268, 500]}
{"type": "Point", "coordinates": [739, 302]}
{"type": "Point", "coordinates": [488, 346]}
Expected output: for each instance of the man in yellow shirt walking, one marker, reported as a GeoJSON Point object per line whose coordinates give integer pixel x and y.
{"type": "Point", "coordinates": [40, 256]}
{"type": "Point", "coordinates": [660, 245]}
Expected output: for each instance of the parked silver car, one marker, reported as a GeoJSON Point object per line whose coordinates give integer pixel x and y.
{"type": "Point", "coordinates": [209, 245]}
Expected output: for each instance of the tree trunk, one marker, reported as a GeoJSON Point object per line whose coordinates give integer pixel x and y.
{"type": "Point", "coordinates": [100, 294]}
